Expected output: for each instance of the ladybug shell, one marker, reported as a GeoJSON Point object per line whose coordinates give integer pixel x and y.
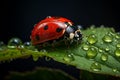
{"type": "Point", "coordinates": [49, 29]}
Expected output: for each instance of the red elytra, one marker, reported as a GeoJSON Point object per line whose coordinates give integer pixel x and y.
{"type": "Point", "coordinates": [49, 29]}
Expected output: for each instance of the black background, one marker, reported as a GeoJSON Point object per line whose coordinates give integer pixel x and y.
{"type": "Point", "coordinates": [17, 17]}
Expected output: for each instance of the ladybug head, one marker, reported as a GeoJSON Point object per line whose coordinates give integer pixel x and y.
{"type": "Point", "coordinates": [74, 33]}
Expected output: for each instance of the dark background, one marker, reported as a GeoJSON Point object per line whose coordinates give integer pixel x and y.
{"type": "Point", "coordinates": [17, 18]}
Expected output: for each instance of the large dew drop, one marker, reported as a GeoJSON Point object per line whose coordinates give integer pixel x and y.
{"type": "Point", "coordinates": [95, 66]}
{"type": "Point", "coordinates": [68, 58]}
{"type": "Point", "coordinates": [104, 57]}
{"type": "Point", "coordinates": [92, 39]}
{"type": "Point", "coordinates": [108, 38]}
{"type": "Point", "coordinates": [14, 42]}
{"type": "Point", "coordinates": [117, 35]}
{"type": "Point", "coordinates": [85, 47]}
{"type": "Point", "coordinates": [91, 53]}
{"type": "Point", "coordinates": [117, 52]}
{"type": "Point", "coordinates": [118, 45]}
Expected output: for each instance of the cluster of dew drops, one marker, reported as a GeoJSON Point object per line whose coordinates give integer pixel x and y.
{"type": "Point", "coordinates": [15, 43]}
{"type": "Point", "coordinates": [92, 51]}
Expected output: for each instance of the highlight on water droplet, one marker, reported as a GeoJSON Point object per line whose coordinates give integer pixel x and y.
{"type": "Point", "coordinates": [107, 49]}
{"type": "Point", "coordinates": [14, 42]}
{"type": "Point", "coordinates": [100, 50]}
{"type": "Point", "coordinates": [21, 46]}
{"type": "Point", "coordinates": [91, 53]}
{"type": "Point", "coordinates": [47, 58]}
{"type": "Point", "coordinates": [108, 38]}
{"type": "Point", "coordinates": [95, 66]}
{"type": "Point", "coordinates": [92, 39]}
{"type": "Point", "coordinates": [85, 47]}
{"type": "Point", "coordinates": [117, 52]}
{"type": "Point", "coordinates": [68, 58]}
{"type": "Point", "coordinates": [118, 45]}
{"type": "Point", "coordinates": [117, 35]}
{"type": "Point", "coordinates": [44, 51]}
{"type": "Point", "coordinates": [104, 57]}
{"type": "Point", "coordinates": [115, 70]}
{"type": "Point", "coordinates": [27, 44]}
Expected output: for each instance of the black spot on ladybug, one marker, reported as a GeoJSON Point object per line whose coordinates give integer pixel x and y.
{"type": "Point", "coordinates": [59, 30]}
{"type": "Point", "coordinates": [37, 37]}
{"type": "Point", "coordinates": [45, 27]}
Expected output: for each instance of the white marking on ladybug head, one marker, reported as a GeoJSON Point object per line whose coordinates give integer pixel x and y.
{"type": "Point", "coordinates": [71, 35]}
{"type": "Point", "coordinates": [70, 23]}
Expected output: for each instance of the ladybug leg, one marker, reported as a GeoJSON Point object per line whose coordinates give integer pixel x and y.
{"type": "Point", "coordinates": [67, 41]}
{"type": "Point", "coordinates": [53, 44]}
{"type": "Point", "coordinates": [45, 44]}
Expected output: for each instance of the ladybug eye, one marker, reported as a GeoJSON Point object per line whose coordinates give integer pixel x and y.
{"type": "Point", "coordinates": [69, 30]}
{"type": "Point", "coordinates": [59, 30]}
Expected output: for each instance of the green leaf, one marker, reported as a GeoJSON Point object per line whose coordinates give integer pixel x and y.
{"type": "Point", "coordinates": [98, 52]}
{"type": "Point", "coordinates": [40, 74]}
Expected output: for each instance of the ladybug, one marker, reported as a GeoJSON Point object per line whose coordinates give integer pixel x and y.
{"type": "Point", "coordinates": [54, 28]}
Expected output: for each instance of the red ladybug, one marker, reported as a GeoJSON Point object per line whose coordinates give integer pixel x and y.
{"type": "Point", "coordinates": [52, 28]}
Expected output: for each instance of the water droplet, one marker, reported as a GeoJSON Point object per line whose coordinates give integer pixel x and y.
{"type": "Point", "coordinates": [43, 51]}
{"type": "Point", "coordinates": [117, 35]}
{"type": "Point", "coordinates": [108, 38]}
{"type": "Point", "coordinates": [85, 47]}
{"type": "Point", "coordinates": [14, 42]}
{"type": "Point", "coordinates": [95, 66]}
{"type": "Point", "coordinates": [100, 50]}
{"type": "Point", "coordinates": [107, 49]}
{"type": "Point", "coordinates": [28, 45]}
{"type": "Point", "coordinates": [118, 45]}
{"type": "Point", "coordinates": [91, 53]}
{"type": "Point", "coordinates": [104, 57]}
{"type": "Point", "coordinates": [68, 58]}
{"type": "Point", "coordinates": [115, 70]}
{"type": "Point", "coordinates": [117, 52]}
{"type": "Point", "coordinates": [47, 58]}
{"type": "Point", "coordinates": [92, 39]}
{"type": "Point", "coordinates": [35, 58]}
{"type": "Point", "coordinates": [2, 46]}
{"type": "Point", "coordinates": [21, 47]}
{"type": "Point", "coordinates": [111, 33]}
